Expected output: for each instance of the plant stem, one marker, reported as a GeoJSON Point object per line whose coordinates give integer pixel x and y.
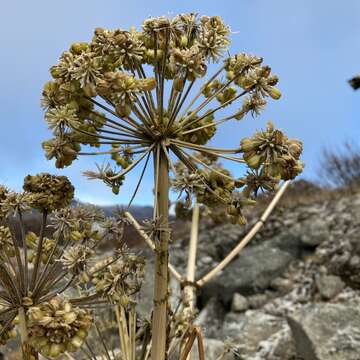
{"type": "Point", "coordinates": [189, 290]}
{"type": "Point", "coordinates": [159, 324]}
{"type": "Point", "coordinates": [39, 250]}
{"type": "Point", "coordinates": [28, 352]}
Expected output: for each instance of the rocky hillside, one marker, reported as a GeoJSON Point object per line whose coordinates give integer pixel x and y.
{"type": "Point", "coordinates": [293, 293]}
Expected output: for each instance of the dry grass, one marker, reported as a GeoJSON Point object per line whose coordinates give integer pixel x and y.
{"type": "Point", "coordinates": [340, 167]}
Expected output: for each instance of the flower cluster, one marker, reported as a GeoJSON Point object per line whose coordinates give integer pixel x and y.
{"type": "Point", "coordinates": [13, 203]}
{"type": "Point", "coordinates": [57, 326]}
{"type": "Point", "coordinates": [48, 192]}
{"type": "Point", "coordinates": [75, 258]}
{"type": "Point", "coordinates": [64, 256]}
{"type": "Point", "coordinates": [203, 135]}
{"type": "Point", "coordinates": [275, 152]}
{"type": "Point", "coordinates": [128, 92]}
{"type": "Point", "coordinates": [118, 280]}
{"type": "Point", "coordinates": [257, 180]}
{"type": "Point", "coordinates": [122, 88]}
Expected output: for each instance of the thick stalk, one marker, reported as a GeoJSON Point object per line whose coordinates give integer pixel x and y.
{"type": "Point", "coordinates": [28, 352]}
{"type": "Point", "coordinates": [159, 324]}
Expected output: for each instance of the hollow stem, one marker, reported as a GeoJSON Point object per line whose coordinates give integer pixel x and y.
{"type": "Point", "coordinates": [159, 323]}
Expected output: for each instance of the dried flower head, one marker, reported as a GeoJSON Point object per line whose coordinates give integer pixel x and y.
{"type": "Point", "coordinates": [57, 326]}
{"type": "Point", "coordinates": [101, 96]}
{"type": "Point", "coordinates": [118, 279]}
{"type": "Point", "coordinates": [274, 151]}
{"type": "Point", "coordinates": [76, 257]}
{"type": "Point", "coordinates": [48, 192]}
{"type": "Point", "coordinates": [13, 203]}
{"type": "Point", "coordinates": [257, 180]}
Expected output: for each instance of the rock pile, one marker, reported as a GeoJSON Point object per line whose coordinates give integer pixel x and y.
{"type": "Point", "coordinates": [294, 293]}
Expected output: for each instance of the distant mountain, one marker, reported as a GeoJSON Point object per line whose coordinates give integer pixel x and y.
{"type": "Point", "coordinates": [139, 212]}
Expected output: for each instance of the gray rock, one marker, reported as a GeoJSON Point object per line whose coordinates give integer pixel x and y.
{"type": "Point", "coordinates": [329, 286]}
{"type": "Point", "coordinates": [239, 303]}
{"type": "Point", "coordinates": [248, 330]}
{"type": "Point", "coordinates": [314, 231]}
{"type": "Point", "coordinates": [281, 285]}
{"type": "Point", "coordinates": [213, 349]}
{"type": "Point", "coordinates": [279, 346]}
{"type": "Point", "coordinates": [211, 317]}
{"type": "Point", "coordinates": [288, 241]}
{"type": "Point", "coordinates": [326, 332]}
{"type": "Point", "coordinates": [257, 301]}
{"type": "Point", "coordinates": [145, 303]}
{"type": "Point", "coordinates": [251, 271]}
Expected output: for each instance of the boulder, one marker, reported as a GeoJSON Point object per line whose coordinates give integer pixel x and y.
{"type": "Point", "coordinates": [211, 317]}
{"type": "Point", "coordinates": [213, 350]}
{"type": "Point", "coordinates": [314, 231]}
{"type": "Point", "coordinates": [279, 346]}
{"type": "Point", "coordinates": [246, 331]}
{"type": "Point", "coordinates": [329, 286]}
{"type": "Point", "coordinates": [326, 331]}
{"type": "Point", "coordinates": [251, 271]}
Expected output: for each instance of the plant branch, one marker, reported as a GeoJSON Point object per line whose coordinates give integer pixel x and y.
{"type": "Point", "coordinates": [150, 243]}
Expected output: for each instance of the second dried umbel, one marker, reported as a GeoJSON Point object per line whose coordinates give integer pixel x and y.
{"type": "Point", "coordinates": [49, 285]}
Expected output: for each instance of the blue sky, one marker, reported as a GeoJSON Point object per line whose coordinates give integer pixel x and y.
{"type": "Point", "coordinates": [311, 45]}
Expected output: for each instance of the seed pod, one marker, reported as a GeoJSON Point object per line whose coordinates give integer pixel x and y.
{"type": "Point", "coordinates": [90, 90]}
{"type": "Point", "coordinates": [123, 110]}
{"type": "Point", "coordinates": [274, 93]}
{"type": "Point", "coordinates": [148, 84]}
{"type": "Point", "coordinates": [253, 161]}
{"type": "Point", "coordinates": [76, 235]}
{"type": "Point", "coordinates": [56, 326]}
{"type": "Point", "coordinates": [178, 84]}
{"type": "Point", "coordinates": [77, 341]}
{"type": "Point", "coordinates": [78, 48]}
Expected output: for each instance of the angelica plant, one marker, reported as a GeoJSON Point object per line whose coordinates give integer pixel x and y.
{"type": "Point", "coordinates": [137, 94]}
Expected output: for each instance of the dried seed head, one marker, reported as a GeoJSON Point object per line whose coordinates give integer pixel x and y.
{"type": "Point", "coordinates": [8, 334]}
{"type": "Point", "coordinates": [110, 74]}
{"type": "Point", "coordinates": [14, 203]}
{"type": "Point", "coordinates": [119, 280]}
{"type": "Point", "coordinates": [272, 149]}
{"type": "Point", "coordinates": [76, 258]}
{"type": "Point", "coordinates": [48, 192]}
{"type": "Point", "coordinates": [56, 326]}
